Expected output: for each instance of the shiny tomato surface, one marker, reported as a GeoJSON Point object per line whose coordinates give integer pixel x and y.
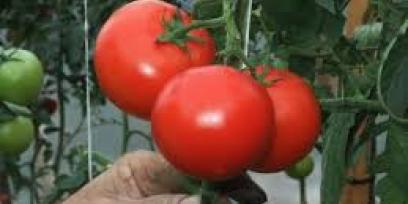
{"type": "Point", "coordinates": [297, 120]}
{"type": "Point", "coordinates": [213, 122]}
{"type": "Point", "coordinates": [132, 66]}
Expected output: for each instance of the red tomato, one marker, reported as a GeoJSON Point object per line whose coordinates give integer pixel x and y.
{"type": "Point", "coordinates": [297, 120]}
{"type": "Point", "coordinates": [132, 67]}
{"type": "Point", "coordinates": [213, 122]}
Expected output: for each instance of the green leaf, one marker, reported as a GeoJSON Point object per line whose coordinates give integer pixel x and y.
{"type": "Point", "coordinates": [395, 77]}
{"type": "Point", "coordinates": [394, 162]}
{"type": "Point", "coordinates": [334, 156]}
{"type": "Point", "coordinates": [304, 66]}
{"type": "Point", "coordinates": [380, 165]}
{"type": "Point", "coordinates": [394, 14]}
{"type": "Point", "coordinates": [207, 9]}
{"type": "Point", "coordinates": [389, 193]}
{"type": "Point", "coordinates": [70, 183]}
{"type": "Point", "coordinates": [304, 25]}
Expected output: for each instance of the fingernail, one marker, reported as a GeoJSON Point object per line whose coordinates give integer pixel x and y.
{"type": "Point", "coordinates": [191, 200]}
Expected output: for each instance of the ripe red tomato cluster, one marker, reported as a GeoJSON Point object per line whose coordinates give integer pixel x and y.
{"type": "Point", "coordinates": [210, 121]}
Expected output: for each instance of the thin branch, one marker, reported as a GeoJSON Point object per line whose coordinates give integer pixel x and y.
{"type": "Point", "coordinates": [145, 136]}
{"type": "Point", "coordinates": [351, 104]}
{"type": "Point", "coordinates": [37, 148]}
{"type": "Point", "coordinates": [125, 129]}
{"type": "Point", "coordinates": [302, 189]}
{"type": "Point", "coordinates": [60, 93]}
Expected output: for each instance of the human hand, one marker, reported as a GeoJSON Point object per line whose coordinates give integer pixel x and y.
{"type": "Point", "coordinates": [144, 177]}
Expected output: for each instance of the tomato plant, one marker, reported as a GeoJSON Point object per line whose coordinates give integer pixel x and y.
{"type": "Point", "coordinates": [297, 119]}
{"type": "Point", "coordinates": [199, 127]}
{"type": "Point", "coordinates": [354, 59]}
{"type": "Point", "coordinates": [131, 72]}
{"type": "Point", "coordinates": [21, 76]}
{"type": "Point", "coordinates": [16, 136]}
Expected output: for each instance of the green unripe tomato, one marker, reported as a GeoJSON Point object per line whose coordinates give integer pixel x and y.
{"type": "Point", "coordinates": [21, 77]}
{"type": "Point", "coordinates": [16, 136]}
{"type": "Point", "coordinates": [301, 169]}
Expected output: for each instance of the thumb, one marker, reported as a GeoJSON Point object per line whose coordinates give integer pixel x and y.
{"type": "Point", "coordinates": [171, 199]}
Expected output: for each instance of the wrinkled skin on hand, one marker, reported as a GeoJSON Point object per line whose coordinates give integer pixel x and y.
{"type": "Point", "coordinates": [144, 177]}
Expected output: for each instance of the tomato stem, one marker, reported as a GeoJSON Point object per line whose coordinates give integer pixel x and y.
{"type": "Point", "coordinates": [14, 110]}
{"type": "Point", "coordinates": [233, 41]}
{"type": "Point", "coordinates": [302, 188]}
{"type": "Point", "coordinates": [210, 23]}
{"type": "Point", "coordinates": [208, 195]}
{"type": "Point", "coordinates": [181, 33]}
{"type": "Point", "coordinates": [351, 104]}
{"type": "Point", "coordinates": [143, 135]}
{"type": "Point", "coordinates": [126, 135]}
{"type": "Point", "coordinates": [38, 143]}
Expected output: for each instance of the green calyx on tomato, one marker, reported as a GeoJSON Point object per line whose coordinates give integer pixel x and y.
{"type": "Point", "coordinates": [21, 76]}
{"type": "Point", "coordinates": [301, 169]}
{"type": "Point", "coordinates": [16, 135]}
{"type": "Point", "coordinates": [176, 32]}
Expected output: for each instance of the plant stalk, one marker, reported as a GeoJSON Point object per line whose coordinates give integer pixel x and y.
{"type": "Point", "coordinates": [145, 136]}
{"type": "Point", "coordinates": [60, 95]}
{"type": "Point", "coordinates": [210, 23]}
{"type": "Point", "coordinates": [5, 197]}
{"type": "Point", "coordinates": [233, 42]}
{"type": "Point", "coordinates": [37, 148]}
{"type": "Point", "coordinates": [126, 132]}
{"type": "Point", "coordinates": [351, 104]}
{"type": "Point", "coordinates": [208, 196]}
{"type": "Point", "coordinates": [302, 188]}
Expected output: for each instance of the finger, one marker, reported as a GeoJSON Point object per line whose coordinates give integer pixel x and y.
{"type": "Point", "coordinates": [144, 173]}
{"type": "Point", "coordinates": [171, 199]}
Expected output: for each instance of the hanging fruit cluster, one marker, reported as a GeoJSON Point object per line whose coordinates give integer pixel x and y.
{"type": "Point", "coordinates": [21, 80]}
{"type": "Point", "coordinates": [210, 121]}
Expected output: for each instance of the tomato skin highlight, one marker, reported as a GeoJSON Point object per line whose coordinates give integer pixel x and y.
{"type": "Point", "coordinates": [132, 66]}
{"type": "Point", "coordinates": [213, 122]}
{"type": "Point", "coordinates": [297, 120]}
